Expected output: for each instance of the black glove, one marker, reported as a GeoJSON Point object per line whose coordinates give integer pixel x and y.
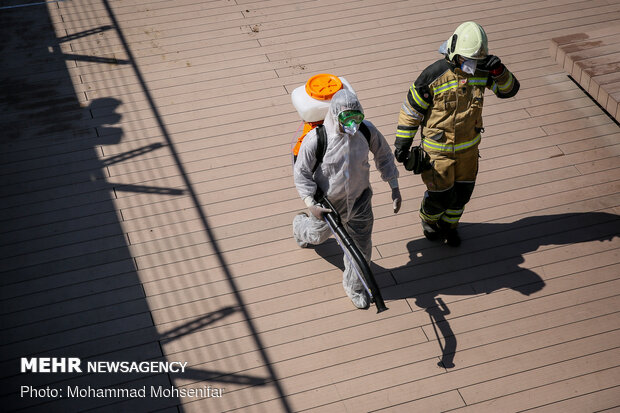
{"type": "Point", "coordinates": [493, 64]}
{"type": "Point", "coordinates": [418, 160]}
{"type": "Point", "coordinates": [400, 155]}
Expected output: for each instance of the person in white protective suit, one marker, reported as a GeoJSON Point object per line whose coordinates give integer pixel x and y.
{"type": "Point", "coordinates": [344, 176]}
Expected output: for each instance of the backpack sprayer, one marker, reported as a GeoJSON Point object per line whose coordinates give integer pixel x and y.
{"type": "Point", "coordinates": [355, 256]}
{"type": "Point", "coordinates": [312, 101]}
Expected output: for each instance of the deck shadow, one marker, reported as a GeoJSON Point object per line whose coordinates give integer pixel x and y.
{"type": "Point", "coordinates": [489, 260]}
{"type": "Point", "coordinates": [69, 285]}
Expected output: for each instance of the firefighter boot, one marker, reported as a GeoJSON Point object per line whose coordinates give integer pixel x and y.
{"type": "Point", "coordinates": [450, 234]}
{"type": "Point", "coordinates": [431, 231]}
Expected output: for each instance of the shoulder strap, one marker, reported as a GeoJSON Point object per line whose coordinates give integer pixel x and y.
{"type": "Point", "coordinates": [321, 146]}
{"type": "Point", "coordinates": [321, 143]}
{"type": "Point", "coordinates": [366, 132]}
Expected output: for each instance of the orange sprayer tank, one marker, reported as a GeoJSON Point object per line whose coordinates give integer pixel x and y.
{"type": "Point", "coordinates": [312, 100]}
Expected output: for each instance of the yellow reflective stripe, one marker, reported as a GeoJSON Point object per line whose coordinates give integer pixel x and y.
{"type": "Point", "coordinates": [409, 111]}
{"type": "Point", "coordinates": [480, 81]}
{"type": "Point", "coordinates": [433, 145]}
{"type": "Point", "coordinates": [454, 211]}
{"type": "Point", "coordinates": [430, 218]}
{"type": "Point", "coordinates": [448, 147]}
{"type": "Point", "coordinates": [451, 220]}
{"type": "Point", "coordinates": [405, 134]}
{"type": "Point", "coordinates": [477, 81]}
{"type": "Point", "coordinates": [467, 145]}
{"type": "Point", "coordinates": [418, 99]}
{"type": "Point", "coordinates": [446, 86]}
{"type": "Point", "coordinates": [508, 85]}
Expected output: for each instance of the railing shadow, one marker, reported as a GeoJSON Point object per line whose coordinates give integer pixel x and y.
{"type": "Point", "coordinates": [273, 378]}
{"type": "Point", "coordinates": [69, 284]}
{"type": "Point", "coordinates": [195, 374]}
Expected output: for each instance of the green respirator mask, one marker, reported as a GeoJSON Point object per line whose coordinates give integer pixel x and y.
{"type": "Point", "coordinates": [350, 119]}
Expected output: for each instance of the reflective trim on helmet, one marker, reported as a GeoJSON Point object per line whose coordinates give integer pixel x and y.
{"type": "Point", "coordinates": [418, 99]}
{"type": "Point", "coordinates": [448, 147]}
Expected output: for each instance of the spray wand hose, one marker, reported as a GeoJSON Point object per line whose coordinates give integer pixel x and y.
{"type": "Point", "coordinates": [354, 255]}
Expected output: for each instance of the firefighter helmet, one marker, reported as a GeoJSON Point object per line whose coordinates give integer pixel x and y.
{"type": "Point", "coordinates": [469, 40]}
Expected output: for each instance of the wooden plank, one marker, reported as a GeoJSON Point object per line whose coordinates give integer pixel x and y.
{"type": "Point", "coordinates": [291, 351]}
{"type": "Point", "coordinates": [336, 291]}
{"type": "Point", "coordinates": [426, 14]}
{"type": "Point", "coordinates": [243, 267]}
{"type": "Point", "coordinates": [421, 380]}
{"type": "Point", "coordinates": [285, 336]}
{"type": "Point", "coordinates": [420, 389]}
{"type": "Point", "coordinates": [508, 286]}
{"type": "Point", "coordinates": [598, 400]}
{"type": "Point", "coordinates": [585, 364]}
{"type": "Point", "coordinates": [46, 306]}
{"type": "Point", "coordinates": [491, 118]}
{"type": "Point", "coordinates": [551, 393]}
{"type": "Point", "coordinates": [439, 402]}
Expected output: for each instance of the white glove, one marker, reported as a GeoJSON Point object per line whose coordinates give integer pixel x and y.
{"type": "Point", "coordinates": [318, 211]}
{"type": "Point", "coordinates": [396, 199]}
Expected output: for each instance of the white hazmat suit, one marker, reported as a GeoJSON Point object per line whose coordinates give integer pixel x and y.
{"type": "Point", "coordinates": [344, 176]}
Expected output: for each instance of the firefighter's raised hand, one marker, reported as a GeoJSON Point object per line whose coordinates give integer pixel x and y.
{"type": "Point", "coordinates": [494, 65]}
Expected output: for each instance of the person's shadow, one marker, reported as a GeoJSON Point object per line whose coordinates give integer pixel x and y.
{"type": "Point", "coordinates": [488, 260]}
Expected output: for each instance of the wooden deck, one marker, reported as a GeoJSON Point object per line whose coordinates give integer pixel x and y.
{"type": "Point", "coordinates": [147, 202]}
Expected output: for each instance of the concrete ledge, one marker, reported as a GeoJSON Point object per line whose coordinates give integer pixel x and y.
{"type": "Point", "coordinates": [592, 58]}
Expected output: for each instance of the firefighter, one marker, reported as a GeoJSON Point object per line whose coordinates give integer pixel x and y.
{"type": "Point", "coordinates": [445, 103]}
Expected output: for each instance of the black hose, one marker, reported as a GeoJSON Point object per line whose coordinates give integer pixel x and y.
{"type": "Point", "coordinates": [333, 219]}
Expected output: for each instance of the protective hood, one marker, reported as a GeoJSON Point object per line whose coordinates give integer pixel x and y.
{"type": "Point", "coordinates": [343, 100]}
{"type": "Point", "coordinates": [346, 159]}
